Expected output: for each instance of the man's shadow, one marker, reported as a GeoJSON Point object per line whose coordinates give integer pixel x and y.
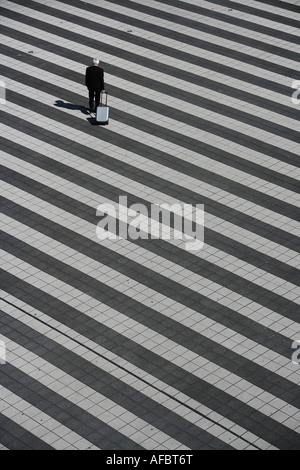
{"type": "Point", "coordinates": [74, 107]}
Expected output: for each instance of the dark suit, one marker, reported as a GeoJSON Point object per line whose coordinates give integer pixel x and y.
{"type": "Point", "coordinates": [94, 80]}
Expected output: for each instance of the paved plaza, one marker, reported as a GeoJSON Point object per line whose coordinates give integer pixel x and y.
{"type": "Point", "coordinates": [117, 339]}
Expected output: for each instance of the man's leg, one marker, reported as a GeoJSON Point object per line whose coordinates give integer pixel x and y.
{"type": "Point", "coordinates": [97, 98]}
{"type": "Point", "coordinates": [91, 100]}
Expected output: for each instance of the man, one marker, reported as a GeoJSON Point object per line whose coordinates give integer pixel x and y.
{"type": "Point", "coordinates": [94, 80]}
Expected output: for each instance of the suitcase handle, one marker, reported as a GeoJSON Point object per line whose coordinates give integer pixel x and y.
{"type": "Point", "coordinates": [101, 99]}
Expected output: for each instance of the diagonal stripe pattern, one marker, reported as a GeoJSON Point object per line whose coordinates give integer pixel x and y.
{"type": "Point", "coordinates": [138, 343]}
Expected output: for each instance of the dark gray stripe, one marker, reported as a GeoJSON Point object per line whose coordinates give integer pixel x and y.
{"type": "Point", "coordinates": [167, 134]}
{"type": "Point", "coordinates": [220, 210]}
{"type": "Point", "coordinates": [197, 25]}
{"type": "Point", "coordinates": [282, 4]}
{"type": "Point", "coordinates": [161, 108]}
{"type": "Point", "coordinates": [51, 403]}
{"type": "Point", "coordinates": [257, 12]}
{"type": "Point", "coordinates": [197, 302]}
{"type": "Point", "coordinates": [144, 177]}
{"type": "Point", "coordinates": [206, 45]}
{"type": "Point", "coordinates": [112, 388]}
{"type": "Point", "coordinates": [159, 66]}
{"type": "Point", "coordinates": [202, 392]}
{"type": "Point", "coordinates": [251, 168]}
{"type": "Point", "coordinates": [185, 95]}
{"type": "Point", "coordinates": [68, 204]}
{"type": "Point", "coordinates": [219, 16]}
{"type": "Point", "coordinates": [160, 323]}
{"type": "Point", "coordinates": [14, 437]}
{"type": "Point", "coordinates": [212, 238]}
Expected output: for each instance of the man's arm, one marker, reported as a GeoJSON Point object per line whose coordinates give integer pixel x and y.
{"type": "Point", "coordinates": [102, 81]}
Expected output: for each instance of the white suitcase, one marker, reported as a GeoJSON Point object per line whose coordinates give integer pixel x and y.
{"type": "Point", "coordinates": [102, 111]}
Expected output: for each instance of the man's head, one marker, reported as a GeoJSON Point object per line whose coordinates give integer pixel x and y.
{"type": "Point", "coordinates": [95, 61]}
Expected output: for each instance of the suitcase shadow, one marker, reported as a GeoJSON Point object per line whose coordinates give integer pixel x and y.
{"type": "Point", "coordinates": [93, 122]}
